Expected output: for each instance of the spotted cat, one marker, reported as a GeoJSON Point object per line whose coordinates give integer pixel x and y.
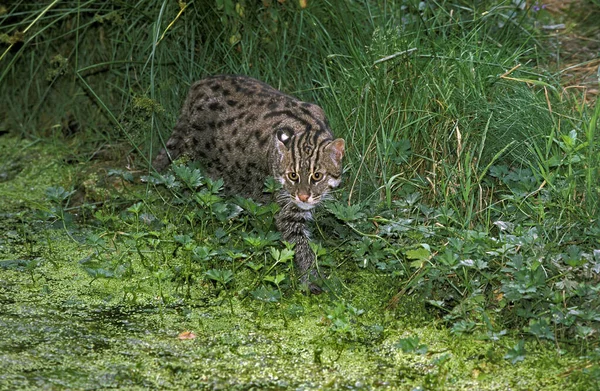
{"type": "Point", "coordinates": [242, 130]}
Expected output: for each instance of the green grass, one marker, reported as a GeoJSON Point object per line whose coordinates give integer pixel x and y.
{"type": "Point", "coordinates": [470, 195]}
{"type": "Point", "coordinates": [444, 96]}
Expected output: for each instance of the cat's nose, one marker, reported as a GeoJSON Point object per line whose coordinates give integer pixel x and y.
{"type": "Point", "coordinates": [303, 197]}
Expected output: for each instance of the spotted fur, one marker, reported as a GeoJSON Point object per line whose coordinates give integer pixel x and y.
{"type": "Point", "coordinates": [243, 130]}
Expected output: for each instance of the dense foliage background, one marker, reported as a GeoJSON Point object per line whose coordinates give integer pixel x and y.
{"type": "Point", "coordinates": [471, 191]}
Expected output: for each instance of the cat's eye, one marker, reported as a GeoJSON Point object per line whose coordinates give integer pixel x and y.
{"type": "Point", "coordinates": [292, 176]}
{"type": "Point", "coordinates": [317, 176]}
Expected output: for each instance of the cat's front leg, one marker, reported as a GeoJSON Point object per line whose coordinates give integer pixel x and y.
{"type": "Point", "coordinates": [292, 223]}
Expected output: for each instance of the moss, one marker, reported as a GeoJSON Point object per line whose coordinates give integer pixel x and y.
{"type": "Point", "coordinates": [27, 169]}
{"type": "Point", "coordinates": [62, 328]}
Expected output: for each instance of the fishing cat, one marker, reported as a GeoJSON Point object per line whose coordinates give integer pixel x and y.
{"type": "Point", "coordinates": [242, 130]}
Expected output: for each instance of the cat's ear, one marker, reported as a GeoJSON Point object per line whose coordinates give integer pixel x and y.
{"type": "Point", "coordinates": [282, 143]}
{"type": "Point", "coordinates": [284, 136]}
{"type": "Point", "coordinates": [336, 150]}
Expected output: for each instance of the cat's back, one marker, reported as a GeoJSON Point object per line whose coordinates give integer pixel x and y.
{"type": "Point", "coordinates": [223, 95]}
{"type": "Point", "coordinates": [246, 101]}
{"type": "Point", "coordinates": [233, 86]}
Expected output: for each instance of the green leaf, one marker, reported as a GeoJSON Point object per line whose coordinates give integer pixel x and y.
{"type": "Point", "coordinates": [277, 279]}
{"type": "Point", "coordinates": [183, 239]}
{"type": "Point", "coordinates": [214, 186]}
{"type": "Point", "coordinates": [58, 194]}
{"type": "Point", "coordinates": [281, 256]}
{"type": "Point", "coordinates": [345, 212]}
{"type": "Point", "coordinates": [135, 208]}
{"type": "Point", "coordinates": [401, 151]}
{"type": "Point", "coordinates": [286, 255]}
{"type": "Point", "coordinates": [206, 198]}
{"type": "Point", "coordinates": [191, 177]}
{"type": "Point", "coordinates": [421, 254]}
{"type": "Point", "coordinates": [247, 204]}
{"type": "Point", "coordinates": [220, 275]}
{"type": "Point", "coordinates": [266, 294]}
{"type": "Point", "coordinates": [463, 327]}
{"type": "Point", "coordinates": [20, 264]}
{"type": "Point", "coordinates": [126, 175]}
{"type": "Point", "coordinates": [516, 353]}
{"type": "Point", "coordinates": [540, 328]}
{"type": "Point", "coordinates": [411, 345]}
{"type": "Point", "coordinates": [254, 266]}
{"type": "Point", "coordinates": [275, 253]}
{"type": "Point", "coordinates": [271, 185]}
{"type": "Point", "coordinates": [202, 253]}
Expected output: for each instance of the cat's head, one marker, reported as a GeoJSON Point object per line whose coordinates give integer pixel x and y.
{"type": "Point", "coordinates": [309, 165]}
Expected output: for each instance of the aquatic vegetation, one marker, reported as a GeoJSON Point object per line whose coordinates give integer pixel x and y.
{"type": "Point", "coordinates": [462, 252]}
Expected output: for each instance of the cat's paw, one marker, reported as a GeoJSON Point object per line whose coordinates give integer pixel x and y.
{"type": "Point", "coordinates": [315, 289]}
{"type": "Point", "coordinates": [311, 283]}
